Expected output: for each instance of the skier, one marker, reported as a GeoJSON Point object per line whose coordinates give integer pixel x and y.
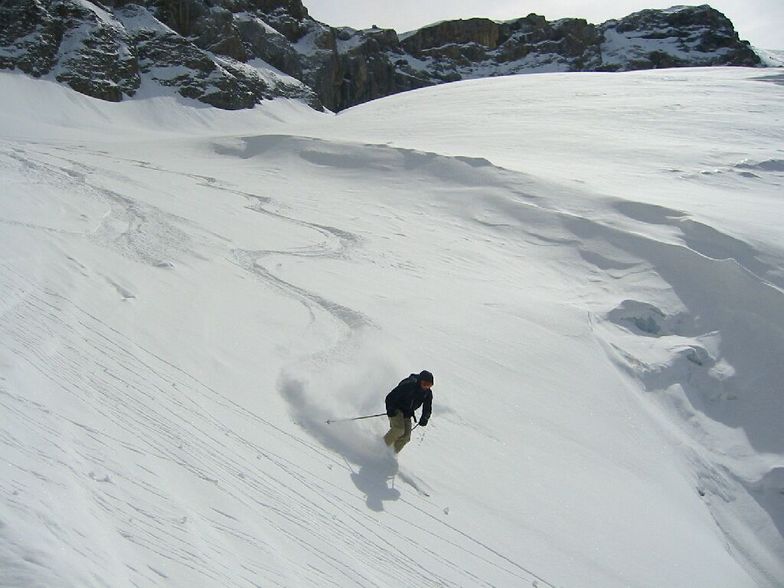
{"type": "Point", "coordinates": [407, 396]}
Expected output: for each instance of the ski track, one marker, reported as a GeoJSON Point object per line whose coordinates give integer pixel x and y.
{"type": "Point", "coordinates": [120, 377]}
{"type": "Point", "coordinates": [145, 397]}
{"type": "Point", "coordinates": [337, 242]}
{"type": "Point", "coordinates": [201, 444]}
{"type": "Point", "coordinates": [108, 378]}
{"type": "Point", "coordinates": [121, 374]}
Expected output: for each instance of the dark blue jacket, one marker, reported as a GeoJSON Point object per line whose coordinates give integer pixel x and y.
{"type": "Point", "coordinates": [407, 396]}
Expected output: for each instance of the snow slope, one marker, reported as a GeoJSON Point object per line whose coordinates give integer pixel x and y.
{"type": "Point", "coordinates": [590, 264]}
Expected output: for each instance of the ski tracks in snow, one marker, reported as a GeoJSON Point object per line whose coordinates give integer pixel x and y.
{"type": "Point", "coordinates": [156, 481]}
{"type": "Point", "coordinates": [119, 422]}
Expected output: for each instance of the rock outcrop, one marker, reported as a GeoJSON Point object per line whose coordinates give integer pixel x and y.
{"type": "Point", "coordinates": [110, 53]}
{"type": "Point", "coordinates": [235, 53]}
{"type": "Point", "coordinates": [677, 37]}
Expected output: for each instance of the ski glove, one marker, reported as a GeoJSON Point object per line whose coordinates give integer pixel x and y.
{"type": "Point", "coordinates": [422, 422]}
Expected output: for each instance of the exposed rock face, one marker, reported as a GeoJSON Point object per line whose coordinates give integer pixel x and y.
{"type": "Point", "coordinates": [479, 47]}
{"type": "Point", "coordinates": [29, 36]}
{"type": "Point", "coordinates": [235, 53]}
{"type": "Point", "coordinates": [79, 43]}
{"type": "Point", "coordinates": [698, 36]}
{"type": "Point", "coordinates": [94, 54]}
{"type": "Point", "coordinates": [480, 31]}
{"type": "Point", "coordinates": [108, 53]}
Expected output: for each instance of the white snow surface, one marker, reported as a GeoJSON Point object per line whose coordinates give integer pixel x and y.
{"type": "Point", "coordinates": [591, 264]}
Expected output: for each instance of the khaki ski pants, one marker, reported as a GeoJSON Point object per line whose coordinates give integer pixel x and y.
{"type": "Point", "coordinates": [399, 431]}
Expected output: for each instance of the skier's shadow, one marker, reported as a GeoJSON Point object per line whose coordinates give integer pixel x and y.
{"type": "Point", "coordinates": [375, 480]}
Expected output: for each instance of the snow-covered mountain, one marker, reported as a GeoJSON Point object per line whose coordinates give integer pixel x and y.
{"type": "Point", "coordinates": [591, 264]}
{"type": "Point", "coordinates": [232, 54]}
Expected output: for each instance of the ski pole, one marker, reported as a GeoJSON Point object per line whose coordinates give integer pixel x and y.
{"type": "Point", "coordinates": [370, 416]}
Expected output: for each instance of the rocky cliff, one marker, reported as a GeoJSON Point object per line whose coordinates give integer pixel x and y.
{"type": "Point", "coordinates": [234, 53]}
{"type": "Point", "coordinates": [110, 52]}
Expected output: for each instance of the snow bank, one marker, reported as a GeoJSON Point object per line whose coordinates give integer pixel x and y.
{"type": "Point", "coordinates": [33, 117]}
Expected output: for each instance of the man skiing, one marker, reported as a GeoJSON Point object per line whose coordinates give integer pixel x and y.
{"type": "Point", "coordinates": [407, 396]}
